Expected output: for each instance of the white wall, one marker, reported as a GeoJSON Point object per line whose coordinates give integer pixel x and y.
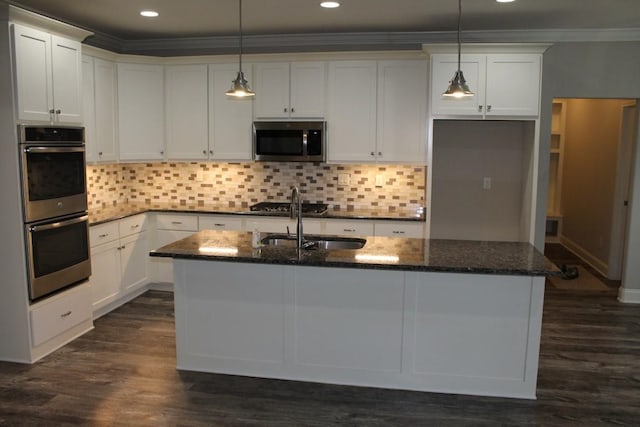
{"type": "Point", "coordinates": [464, 154]}
{"type": "Point", "coordinates": [592, 70]}
{"type": "Point", "coordinates": [14, 333]}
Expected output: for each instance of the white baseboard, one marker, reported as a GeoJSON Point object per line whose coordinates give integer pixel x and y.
{"type": "Point", "coordinates": [629, 296]}
{"type": "Point", "coordinates": [600, 266]}
{"type": "Point", "coordinates": [161, 286]}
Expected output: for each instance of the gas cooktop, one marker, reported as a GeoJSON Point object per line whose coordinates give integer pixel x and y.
{"type": "Point", "coordinates": [283, 207]}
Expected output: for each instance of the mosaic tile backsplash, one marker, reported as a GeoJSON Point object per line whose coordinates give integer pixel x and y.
{"type": "Point", "coordinates": [239, 185]}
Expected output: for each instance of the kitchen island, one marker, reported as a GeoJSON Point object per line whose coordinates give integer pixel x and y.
{"type": "Point", "coordinates": [430, 315]}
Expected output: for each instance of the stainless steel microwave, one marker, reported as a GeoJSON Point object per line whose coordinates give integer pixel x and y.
{"type": "Point", "coordinates": [289, 141]}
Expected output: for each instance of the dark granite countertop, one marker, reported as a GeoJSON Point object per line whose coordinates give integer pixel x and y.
{"type": "Point", "coordinates": [123, 210]}
{"type": "Point", "coordinates": [389, 253]}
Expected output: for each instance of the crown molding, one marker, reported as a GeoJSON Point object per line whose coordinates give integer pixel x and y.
{"type": "Point", "coordinates": [327, 42]}
{"type": "Point", "coordinates": [51, 25]}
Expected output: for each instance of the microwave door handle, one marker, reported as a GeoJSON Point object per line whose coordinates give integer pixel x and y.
{"type": "Point", "coordinates": [54, 149]}
{"type": "Point", "coordinates": [44, 227]}
{"type": "Point", "coordinates": [304, 143]}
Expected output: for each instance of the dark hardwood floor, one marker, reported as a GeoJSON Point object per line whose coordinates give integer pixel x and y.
{"type": "Point", "coordinates": [123, 374]}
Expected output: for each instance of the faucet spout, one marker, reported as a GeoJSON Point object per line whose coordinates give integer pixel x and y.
{"type": "Point", "coordinates": [295, 211]}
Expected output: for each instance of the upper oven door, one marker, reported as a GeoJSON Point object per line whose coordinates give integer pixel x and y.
{"type": "Point", "coordinates": [53, 180]}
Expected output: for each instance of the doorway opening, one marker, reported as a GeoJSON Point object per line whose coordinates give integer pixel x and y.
{"type": "Point", "coordinates": [590, 169]}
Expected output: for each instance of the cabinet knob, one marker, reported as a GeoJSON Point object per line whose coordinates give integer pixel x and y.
{"type": "Point", "coordinates": [479, 108]}
{"type": "Point", "coordinates": [211, 152]}
{"type": "Point", "coordinates": [58, 111]}
{"type": "Point", "coordinates": [293, 110]}
{"type": "Point", "coordinates": [204, 152]}
{"type": "Point", "coordinates": [162, 152]}
{"type": "Point", "coordinates": [380, 153]}
{"type": "Point", "coordinates": [100, 153]}
{"type": "Point", "coordinates": [52, 111]}
{"type": "Point", "coordinates": [488, 108]}
{"type": "Point", "coordinates": [67, 314]}
{"type": "Point", "coordinates": [285, 109]}
{"type": "Point", "coordinates": [373, 154]}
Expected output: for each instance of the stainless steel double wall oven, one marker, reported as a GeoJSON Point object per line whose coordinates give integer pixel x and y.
{"type": "Point", "coordinates": [54, 194]}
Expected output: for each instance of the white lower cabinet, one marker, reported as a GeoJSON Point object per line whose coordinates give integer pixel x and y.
{"type": "Point", "coordinates": [60, 314]}
{"type": "Point", "coordinates": [347, 227]}
{"type": "Point", "coordinates": [119, 262]}
{"type": "Point", "coordinates": [281, 224]}
{"type": "Point", "coordinates": [220, 222]}
{"type": "Point", "coordinates": [169, 228]}
{"type": "Point", "coordinates": [400, 229]}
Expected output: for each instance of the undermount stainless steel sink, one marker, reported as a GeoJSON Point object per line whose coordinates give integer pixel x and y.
{"type": "Point", "coordinates": [315, 242]}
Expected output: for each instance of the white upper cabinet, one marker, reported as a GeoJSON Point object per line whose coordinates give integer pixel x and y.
{"type": "Point", "coordinates": [141, 111]}
{"type": "Point", "coordinates": [402, 111]}
{"type": "Point", "coordinates": [290, 90]}
{"type": "Point", "coordinates": [504, 84]}
{"type": "Point", "coordinates": [187, 123]}
{"type": "Point", "coordinates": [49, 76]}
{"type": "Point", "coordinates": [351, 125]}
{"type": "Point", "coordinates": [230, 118]}
{"type": "Point", "coordinates": [99, 109]}
{"type": "Point", "coordinates": [377, 111]}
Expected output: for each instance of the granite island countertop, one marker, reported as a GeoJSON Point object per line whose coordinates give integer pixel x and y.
{"type": "Point", "coordinates": [123, 210]}
{"type": "Point", "coordinates": [388, 253]}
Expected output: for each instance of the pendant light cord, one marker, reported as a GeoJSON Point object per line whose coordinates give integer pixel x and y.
{"type": "Point", "coordinates": [240, 13]}
{"type": "Point", "coordinates": [459, 30]}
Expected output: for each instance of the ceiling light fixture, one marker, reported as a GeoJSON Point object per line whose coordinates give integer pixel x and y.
{"type": "Point", "coordinates": [149, 13]}
{"type": "Point", "coordinates": [458, 85]}
{"type": "Point", "coordinates": [330, 4]}
{"type": "Point", "coordinates": [240, 86]}
{"type": "Point", "coordinates": [505, 1]}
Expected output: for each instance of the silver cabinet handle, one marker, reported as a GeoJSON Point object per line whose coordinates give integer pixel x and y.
{"type": "Point", "coordinates": [397, 232]}
{"type": "Point", "coordinates": [373, 154]}
{"type": "Point", "coordinates": [51, 111]}
{"type": "Point", "coordinates": [162, 152]}
{"type": "Point", "coordinates": [100, 153]}
{"type": "Point", "coordinates": [133, 227]}
{"type": "Point", "coordinates": [102, 236]}
{"type": "Point", "coordinates": [176, 222]}
{"type": "Point", "coordinates": [488, 108]}
{"type": "Point", "coordinates": [217, 224]}
{"type": "Point", "coordinates": [480, 108]}
{"type": "Point", "coordinates": [204, 152]}
{"type": "Point", "coordinates": [379, 153]}
{"type": "Point", "coordinates": [58, 111]}
{"type": "Point", "coordinates": [349, 230]}
{"type": "Point", "coordinates": [293, 110]}
{"type": "Point", "coordinates": [211, 152]}
{"type": "Point", "coordinates": [67, 314]}
{"type": "Point", "coordinates": [285, 109]}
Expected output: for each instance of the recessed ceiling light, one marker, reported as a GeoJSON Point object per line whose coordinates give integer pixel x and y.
{"type": "Point", "coordinates": [505, 1]}
{"type": "Point", "coordinates": [149, 13]}
{"type": "Point", "coordinates": [330, 4]}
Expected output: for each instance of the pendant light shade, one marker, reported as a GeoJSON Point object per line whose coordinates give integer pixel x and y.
{"type": "Point", "coordinates": [458, 87]}
{"type": "Point", "coordinates": [240, 86]}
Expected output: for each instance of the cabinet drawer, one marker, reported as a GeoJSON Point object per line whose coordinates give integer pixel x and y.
{"type": "Point", "coordinates": [400, 229]}
{"type": "Point", "coordinates": [53, 318]}
{"type": "Point", "coordinates": [177, 222]}
{"type": "Point", "coordinates": [103, 233]}
{"type": "Point", "coordinates": [132, 225]}
{"type": "Point", "coordinates": [219, 222]}
{"type": "Point", "coordinates": [346, 228]}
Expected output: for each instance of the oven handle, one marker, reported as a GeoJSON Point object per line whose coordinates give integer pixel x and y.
{"type": "Point", "coordinates": [44, 227]}
{"type": "Point", "coordinates": [78, 149]}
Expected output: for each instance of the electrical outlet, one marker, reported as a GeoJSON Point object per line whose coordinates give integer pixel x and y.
{"type": "Point", "coordinates": [379, 180]}
{"type": "Point", "coordinates": [344, 179]}
{"type": "Point", "coordinates": [200, 175]}
{"type": "Point", "coordinates": [486, 183]}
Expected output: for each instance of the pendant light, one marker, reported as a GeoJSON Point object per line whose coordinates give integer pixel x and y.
{"type": "Point", "coordinates": [240, 86]}
{"type": "Point", "coordinates": [458, 85]}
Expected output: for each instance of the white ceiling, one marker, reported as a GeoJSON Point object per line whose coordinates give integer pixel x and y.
{"type": "Point", "coordinates": [120, 19]}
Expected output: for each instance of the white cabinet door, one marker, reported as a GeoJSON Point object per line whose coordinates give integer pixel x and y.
{"type": "Point", "coordinates": [513, 85]}
{"type": "Point", "coordinates": [105, 274]}
{"type": "Point", "coordinates": [89, 107]}
{"type": "Point", "coordinates": [220, 222]}
{"type": "Point", "coordinates": [66, 66]}
{"type": "Point", "coordinates": [98, 109]}
{"type": "Point", "coordinates": [134, 255]}
{"type": "Point", "coordinates": [141, 111]}
{"type": "Point", "coordinates": [33, 73]}
{"type": "Point", "coordinates": [230, 118]}
{"type": "Point", "coordinates": [272, 90]}
{"type": "Point", "coordinates": [352, 111]}
{"type": "Point", "coordinates": [307, 89]}
{"type": "Point", "coordinates": [186, 112]}
{"type": "Point", "coordinates": [402, 112]}
{"type": "Point", "coordinates": [443, 68]}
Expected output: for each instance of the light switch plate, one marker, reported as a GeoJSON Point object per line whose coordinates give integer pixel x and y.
{"type": "Point", "coordinates": [379, 180]}
{"type": "Point", "coordinates": [486, 183]}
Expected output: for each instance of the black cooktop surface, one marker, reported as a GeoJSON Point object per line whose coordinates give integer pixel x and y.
{"type": "Point", "coordinates": [283, 207]}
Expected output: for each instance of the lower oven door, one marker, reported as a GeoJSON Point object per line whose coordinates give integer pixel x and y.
{"type": "Point", "coordinates": [57, 254]}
